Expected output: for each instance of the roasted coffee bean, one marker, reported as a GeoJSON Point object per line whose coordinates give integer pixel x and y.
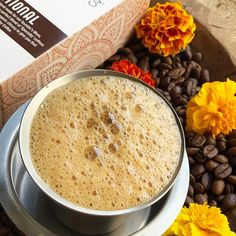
{"type": "Point", "coordinates": [114, 58]}
{"type": "Point", "coordinates": [211, 165]}
{"type": "Point", "coordinates": [197, 56]}
{"type": "Point", "coordinates": [200, 198]}
{"type": "Point", "coordinates": [179, 80]}
{"type": "Point", "coordinates": [212, 203]}
{"type": "Point", "coordinates": [210, 151]}
{"type": "Point", "coordinates": [131, 57]}
{"type": "Point", "coordinates": [205, 180]}
{"type": "Point", "coordinates": [192, 150]}
{"type": "Point", "coordinates": [188, 53]}
{"type": "Point", "coordinates": [197, 169]}
{"type": "Point", "coordinates": [191, 179]}
{"type": "Point", "coordinates": [217, 186]}
{"type": "Point", "coordinates": [231, 142]}
{"type": "Point", "coordinates": [232, 135]}
{"type": "Point", "coordinates": [125, 51]}
{"type": "Point", "coordinates": [175, 91]}
{"type": "Point", "coordinates": [195, 73]}
{"type": "Point", "coordinates": [156, 62]}
{"type": "Point", "coordinates": [198, 188]}
{"type": "Point", "coordinates": [164, 82]}
{"type": "Point", "coordinates": [205, 77]}
{"type": "Point", "coordinates": [191, 160]}
{"type": "Point", "coordinates": [190, 191]}
{"type": "Point", "coordinates": [176, 72]}
{"type": "Point", "coordinates": [144, 64]}
{"type": "Point", "coordinates": [188, 200]}
{"type": "Point", "coordinates": [220, 198]}
{"type": "Point", "coordinates": [200, 158]}
{"type": "Point", "coordinates": [155, 73]}
{"type": "Point", "coordinates": [232, 151]}
{"type": "Point", "coordinates": [136, 47]}
{"type": "Point", "coordinates": [210, 140]}
{"type": "Point", "coordinates": [221, 145]}
{"type": "Point", "coordinates": [229, 200]}
{"type": "Point", "coordinates": [223, 171]}
{"type": "Point", "coordinates": [168, 60]}
{"type": "Point", "coordinates": [179, 100]}
{"type": "Point", "coordinates": [181, 112]}
{"type": "Point", "coordinates": [198, 141]}
{"type": "Point", "coordinates": [190, 87]}
{"type": "Point", "coordinates": [170, 86]}
{"type": "Point", "coordinates": [231, 179]}
{"type": "Point", "coordinates": [164, 66]}
{"type": "Point", "coordinates": [229, 188]}
{"type": "Point", "coordinates": [221, 158]}
{"type": "Point", "coordinates": [221, 137]}
{"type": "Point", "coordinates": [188, 70]}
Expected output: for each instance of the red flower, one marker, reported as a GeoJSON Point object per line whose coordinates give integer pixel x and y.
{"type": "Point", "coordinates": [132, 69]}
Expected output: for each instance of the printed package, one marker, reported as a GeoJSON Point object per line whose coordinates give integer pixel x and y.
{"type": "Point", "coordinates": [43, 40]}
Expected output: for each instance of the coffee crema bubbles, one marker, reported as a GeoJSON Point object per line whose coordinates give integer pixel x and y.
{"type": "Point", "coordinates": [105, 143]}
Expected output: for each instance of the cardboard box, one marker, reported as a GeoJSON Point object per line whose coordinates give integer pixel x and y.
{"type": "Point", "coordinates": [48, 40]}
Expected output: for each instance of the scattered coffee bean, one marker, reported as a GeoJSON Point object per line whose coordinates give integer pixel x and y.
{"type": "Point", "coordinates": [188, 200]}
{"type": "Point", "coordinates": [229, 200]}
{"type": "Point", "coordinates": [221, 145]}
{"type": "Point", "coordinates": [221, 158]}
{"type": "Point", "coordinates": [211, 165]}
{"type": "Point", "coordinates": [176, 72]}
{"type": "Point", "coordinates": [192, 150]}
{"type": "Point", "coordinates": [198, 188]}
{"type": "Point", "coordinates": [229, 188]}
{"type": "Point", "coordinates": [205, 180]}
{"type": "Point", "coordinates": [190, 191]}
{"type": "Point", "coordinates": [210, 151]}
{"type": "Point", "coordinates": [223, 171]}
{"type": "Point", "coordinates": [231, 179]}
{"type": "Point", "coordinates": [200, 198]}
{"type": "Point", "coordinates": [205, 77]}
{"type": "Point", "coordinates": [197, 169]}
{"type": "Point", "coordinates": [217, 186]}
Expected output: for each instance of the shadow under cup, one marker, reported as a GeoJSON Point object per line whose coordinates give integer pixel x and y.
{"type": "Point", "coordinates": [84, 220]}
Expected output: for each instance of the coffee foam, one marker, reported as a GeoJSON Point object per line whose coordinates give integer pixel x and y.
{"type": "Point", "coordinates": [105, 143]}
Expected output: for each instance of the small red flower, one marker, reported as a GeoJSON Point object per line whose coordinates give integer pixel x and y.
{"type": "Point", "coordinates": [132, 69]}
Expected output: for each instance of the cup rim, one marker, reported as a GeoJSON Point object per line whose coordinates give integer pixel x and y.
{"type": "Point", "coordinates": [24, 137]}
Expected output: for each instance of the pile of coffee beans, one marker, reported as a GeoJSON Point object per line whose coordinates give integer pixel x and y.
{"type": "Point", "coordinates": [212, 161]}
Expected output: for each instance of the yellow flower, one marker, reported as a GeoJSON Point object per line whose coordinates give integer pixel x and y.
{"type": "Point", "coordinates": [166, 29]}
{"type": "Point", "coordinates": [200, 220]}
{"type": "Point", "coordinates": [213, 109]}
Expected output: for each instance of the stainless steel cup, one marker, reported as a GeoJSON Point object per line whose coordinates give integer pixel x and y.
{"type": "Point", "coordinates": [86, 221]}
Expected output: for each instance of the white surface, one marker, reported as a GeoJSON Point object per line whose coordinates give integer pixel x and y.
{"type": "Point", "coordinates": [70, 16]}
{"type": "Point", "coordinates": [172, 206]}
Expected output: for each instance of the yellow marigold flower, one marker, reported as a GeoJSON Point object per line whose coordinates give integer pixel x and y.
{"type": "Point", "coordinates": [200, 220]}
{"type": "Point", "coordinates": [166, 29]}
{"type": "Point", "coordinates": [213, 109]}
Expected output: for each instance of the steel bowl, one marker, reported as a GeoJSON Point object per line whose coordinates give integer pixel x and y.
{"type": "Point", "coordinates": [84, 220]}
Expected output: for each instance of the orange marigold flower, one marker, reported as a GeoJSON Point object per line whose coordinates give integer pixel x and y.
{"type": "Point", "coordinates": [132, 69]}
{"type": "Point", "coordinates": [213, 108]}
{"type": "Point", "coordinates": [166, 29]}
{"type": "Point", "coordinates": [200, 220]}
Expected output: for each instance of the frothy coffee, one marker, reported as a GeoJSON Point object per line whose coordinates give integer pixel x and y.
{"type": "Point", "coordinates": [105, 143]}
